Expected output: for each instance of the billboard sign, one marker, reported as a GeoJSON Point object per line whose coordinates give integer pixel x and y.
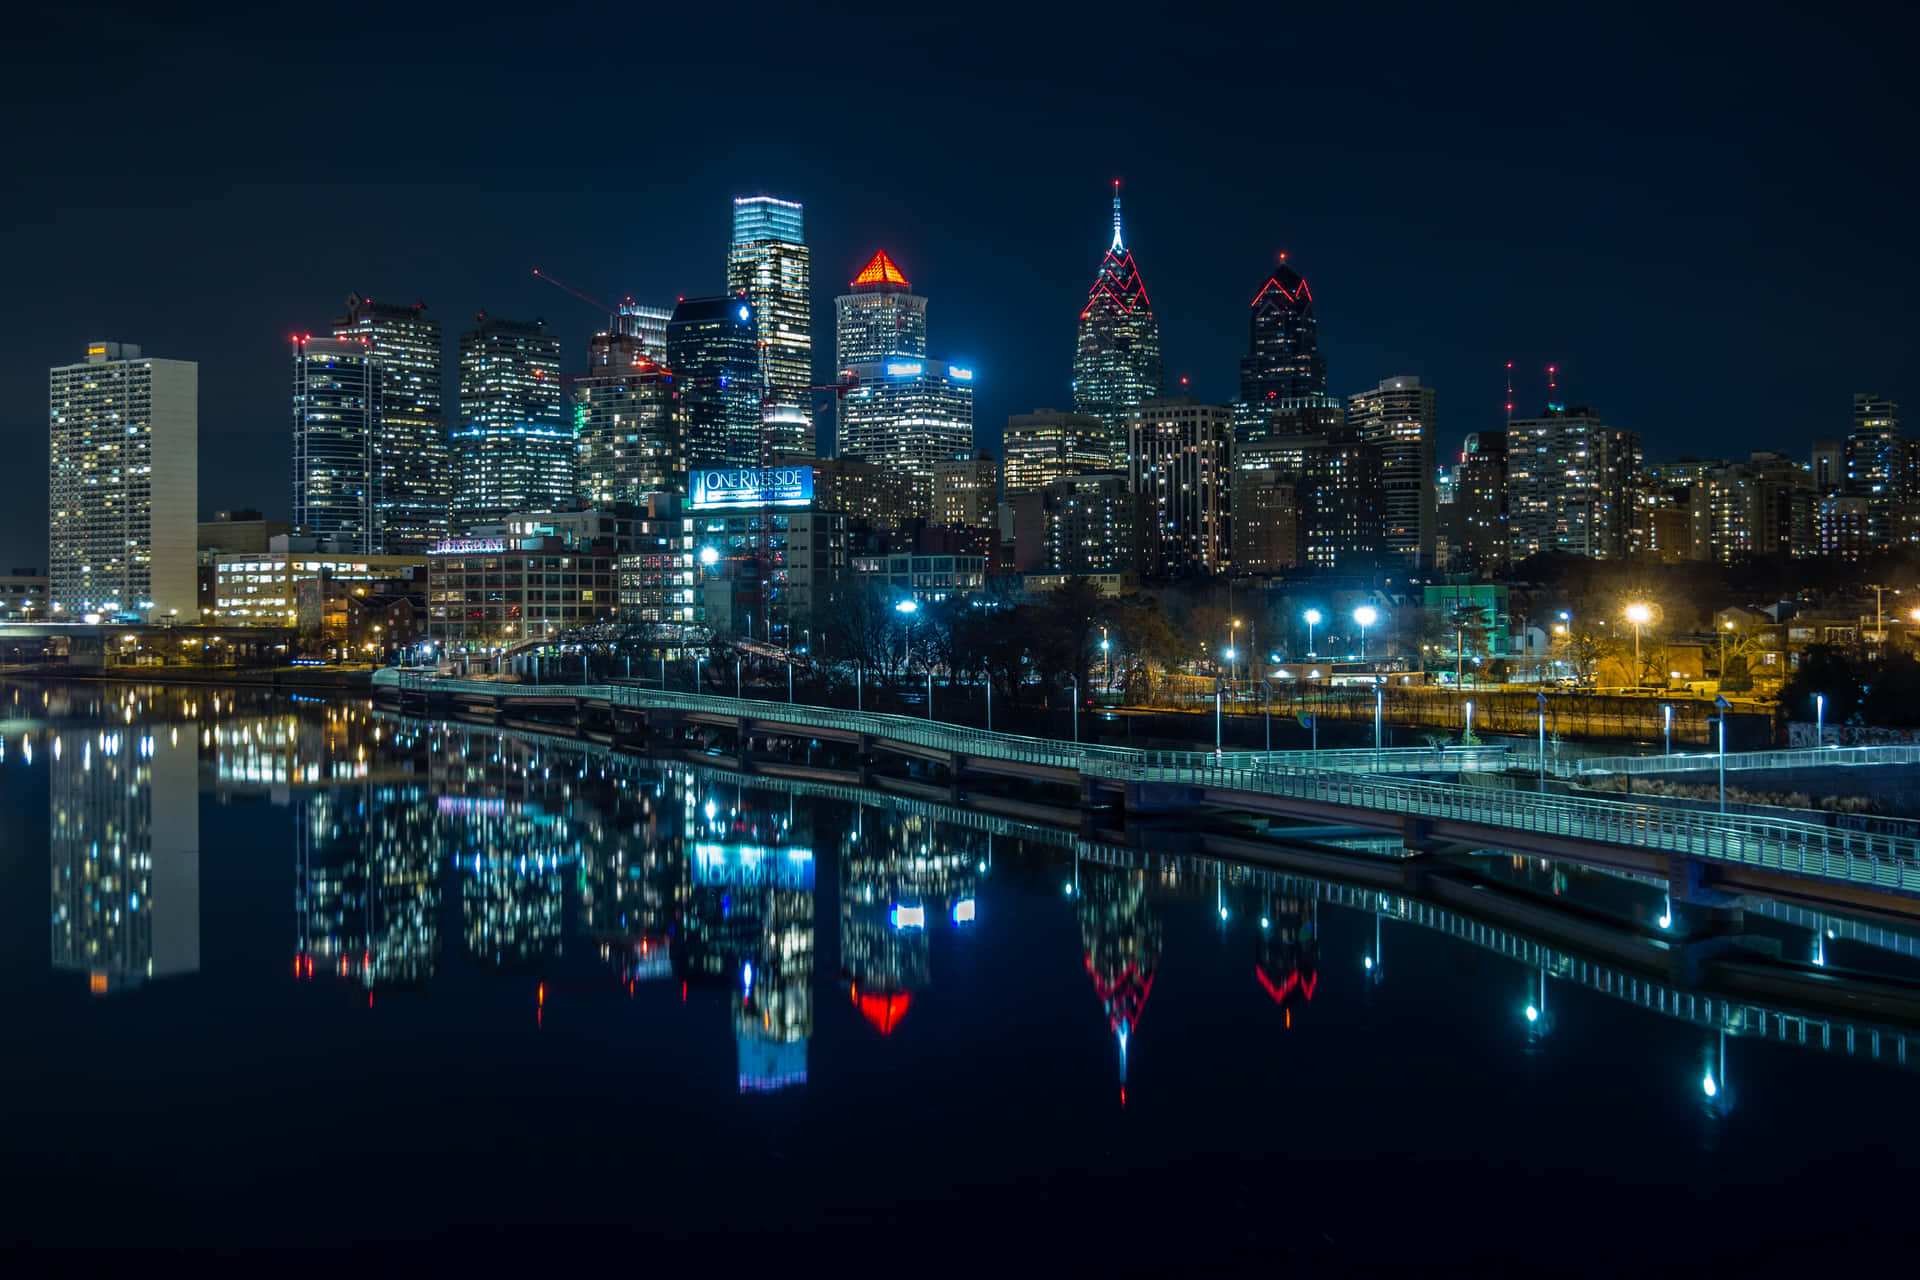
{"type": "Point", "coordinates": [752, 487]}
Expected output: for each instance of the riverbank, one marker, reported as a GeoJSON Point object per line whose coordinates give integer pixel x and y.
{"type": "Point", "coordinates": [334, 679]}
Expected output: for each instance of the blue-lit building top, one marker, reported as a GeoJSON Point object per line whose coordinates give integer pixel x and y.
{"type": "Point", "coordinates": [757, 218]}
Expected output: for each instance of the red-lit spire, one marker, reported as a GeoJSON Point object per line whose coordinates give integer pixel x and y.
{"type": "Point", "coordinates": [880, 270]}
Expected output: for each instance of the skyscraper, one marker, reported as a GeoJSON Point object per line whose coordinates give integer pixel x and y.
{"type": "Point", "coordinates": [907, 410]}
{"type": "Point", "coordinates": [710, 348]}
{"type": "Point", "coordinates": [515, 449]}
{"type": "Point", "coordinates": [768, 263]}
{"type": "Point", "coordinates": [1116, 365]}
{"type": "Point", "coordinates": [1482, 498]}
{"type": "Point", "coordinates": [966, 492]}
{"type": "Point", "coordinates": [630, 422]}
{"type": "Point", "coordinates": [336, 391]}
{"type": "Point", "coordinates": [1397, 419]}
{"type": "Point", "coordinates": [1879, 468]}
{"type": "Point", "coordinates": [649, 324]}
{"type": "Point", "coordinates": [1180, 457]}
{"type": "Point", "coordinates": [123, 485]}
{"type": "Point", "coordinates": [1570, 484]}
{"type": "Point", "coordinates": [1283, 377]}
{"type": "Point", "coordinates": [414, 479]}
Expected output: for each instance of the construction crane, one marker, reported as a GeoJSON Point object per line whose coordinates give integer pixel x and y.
{"type": "Point", "coordinates": [623, 322]}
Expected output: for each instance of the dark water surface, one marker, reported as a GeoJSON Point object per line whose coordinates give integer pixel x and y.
{"type": "Point", "coordinates": [290, 974]}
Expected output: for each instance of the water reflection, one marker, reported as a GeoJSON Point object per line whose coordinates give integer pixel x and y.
{"type": "Point", "coordinates": [125, 850]}
{"type": "Point", "coordinates": [417, 847]}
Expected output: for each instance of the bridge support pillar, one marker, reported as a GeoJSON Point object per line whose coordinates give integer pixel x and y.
{"type": "Point", "coordinates": [1689, 881]}
{"type": "Point", "coordinates": [743, 727]}
{"type": "Point", "coordinates": [865, 747]}
{"type": "Point", "coordinates": [956, 766]}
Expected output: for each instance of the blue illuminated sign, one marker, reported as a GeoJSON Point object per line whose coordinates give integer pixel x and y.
{"type": "Point", "coordinates": [958, 374]}
{"type": "Point", "coordinates": [752, 487]}
{"type": "Point", "coordinates": [905, 368]}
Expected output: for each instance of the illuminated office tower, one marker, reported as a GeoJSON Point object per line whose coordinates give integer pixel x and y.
{"type": "Point", "coordinates": [336, 390]}
{"type": "Point", "coordinates": [123, 485]}
{"type": "Point", "coordinates": [1397, 419]}
{"type": "Point", "coordinates": [1116, 365]}
{"type": "Point", "coordinates": [515, 447]}
{"type": "Point", "coordinates": [907, 410]}
{"type": "Point", "coordinates": [910, 416]}
{"type": "Point", "coordinates": [881, 318]}
{"type": "Point", "coordinates": [1047, 445]}
{"type": "Point", "coordinates": [711, 350]}
{"type": "Point", "coordinates": [630, 421]}
{"type": "Point", "coordinates": [1879, 468]}
{"type": "Point", "coordinates": [1180, 466]}
{"type": "Point", "coordinates": [124, 817]}
{"type": "Point", "coordinates": [413, 473]}
{"type": "Point", "coordinates": [966, 491]}
{"type": "Point", "coordinates": [768, 263]}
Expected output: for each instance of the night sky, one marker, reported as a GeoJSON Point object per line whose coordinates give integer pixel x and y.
{"type": "Point", "coordinates": [1706, 220]}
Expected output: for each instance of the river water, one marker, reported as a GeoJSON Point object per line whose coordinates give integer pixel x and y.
{"type": "Point", "coordinates": [294, 973]}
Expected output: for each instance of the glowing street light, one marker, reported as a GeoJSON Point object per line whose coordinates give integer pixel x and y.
{"type": "Point", "coordinates": [1313, 617]}
{"type": "Point", "coordinates": [1366, 615]}
{"type": "Point", "coordinates": [1639, 615]}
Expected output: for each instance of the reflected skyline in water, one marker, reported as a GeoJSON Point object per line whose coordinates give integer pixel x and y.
{"type": "Point", "coordinates": [454, 890]}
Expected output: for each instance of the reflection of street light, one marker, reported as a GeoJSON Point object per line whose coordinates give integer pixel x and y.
{"type": "Point", "coordinates": [1366, 615]}
{"type": "Point", "coordinates": [1313, 620]}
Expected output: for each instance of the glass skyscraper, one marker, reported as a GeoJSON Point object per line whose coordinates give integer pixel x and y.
{"type": "Point", "coordinates": [414, 478]}
{"type": "Point", "coordinates": [515, 448]}
{"type": "Point", "coordinates": [1397, 419]}
{"type": "Point", "coordinates": [1117, 363]}
{"type": "Point", "coordinates": [336, 390]}
{"type": "Point", "coordinates": [768, 263]}
{"type": "Point", "coordinates": [711, 350]}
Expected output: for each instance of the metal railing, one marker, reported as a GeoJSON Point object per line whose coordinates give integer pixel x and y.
{"type": "Point", "coordinates": [1708, 762]}
{"type": "Point", "coordinates": [1881, 860]}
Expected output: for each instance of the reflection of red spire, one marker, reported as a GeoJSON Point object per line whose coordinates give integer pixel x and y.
{"type": "Point", "coordinates": [1291, 983]}
{"type": "Point", "coordinates": [883, 1009]}
{"type": "Point", "coordinates": [1123, 998]}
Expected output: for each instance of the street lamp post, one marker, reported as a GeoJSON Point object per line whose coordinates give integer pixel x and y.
{"type": "Point", "coordinates": [1724, 706]}
{"type": "Point", "coordinates": [1216, 717]}
{"type": "Point", "coordinates": [1366, 615]}
{"type": "Point", "coordinates": [1541, 702]}
{"type": "Point", "coordinates": [1313, 620]}
{"type": "Point", "coordinates": [1379, 707]}
{"type": "Point", "coordinates": [1106, 652]}
{"type": "Point", "coordinates": [1266, 695]}
{"type": "Point", "coordinates": [1075, 682]}
{"type": "Point", "coordinates": [1819, 719]}
{"type": "Point", "coordinates": [1466, 739]}
{"type": "Point", "coordinates": [1666, 718]}
{"type": "Point", "coordinates": [1639, 615]}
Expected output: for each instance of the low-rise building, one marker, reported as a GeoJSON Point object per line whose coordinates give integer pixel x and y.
{"type": "Point", "coordinates": [24, 596]}
{"type": "Point", "coordinates": [495, 592]}
{"type": "Point", "coordinates": [256, 589]}
{"type": "Point", "coordinates": [923, 577]}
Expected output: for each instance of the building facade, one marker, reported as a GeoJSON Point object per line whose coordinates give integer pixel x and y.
{"type": "Point", "coordinates": [630, 421]}
{"type": "Point", "coordinates": [1116, 363]}
{"type": "Point", "coordinates": [1570, 484]}
{"type": "Point", "coordinates": [1481, 496]}
{"type": "Point", "coordinates": [336, 474]}
{"type": "Point", "coordinates": [486, 592]}
{"type": "Point", "coordinates": [910, 416]}
{"type": "Point", "coordinates": [259, 589]}
{"type": "Point", "coordinates": [1266, 521]}
{"type": "Point", "coordinates": [713, 354]}
{"type": "Point", "coordinates": [1180, 463]}
{"type": "Point", "coordinates": [515, 448]}
{"type": "Point", "coordinates": [1283, 376]}
{"type": "Point", "coordinates": [865, 492]}
{"type": "Point", "coordinates": [123, 490]}
{"type": "Point", "coordinates": [1088, 523]}
{"type": "Point", "coordinates": [413, 474]}
{"type": "Point", "coordinates": [1047, 445]}
{"type": "Point", "coordinates": [768, 264]}
{"type": "Point", "coordinates": [1397, 418]}
{"type": "Point", "coordinates": [966, 492]}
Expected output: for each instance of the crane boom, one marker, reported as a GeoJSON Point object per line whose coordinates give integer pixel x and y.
{"type": "Point", "coordinates": [562, 284]}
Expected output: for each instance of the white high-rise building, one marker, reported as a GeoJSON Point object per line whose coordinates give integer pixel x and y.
{"type": "Point", "coordinates": [123, 485]}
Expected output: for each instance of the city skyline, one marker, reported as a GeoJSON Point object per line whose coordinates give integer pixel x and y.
{"type": "Point", "coordinates": [1489, 267]}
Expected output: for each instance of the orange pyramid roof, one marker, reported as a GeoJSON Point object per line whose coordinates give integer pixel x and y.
{"type": "Point", "coordinates": [880, 270]}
